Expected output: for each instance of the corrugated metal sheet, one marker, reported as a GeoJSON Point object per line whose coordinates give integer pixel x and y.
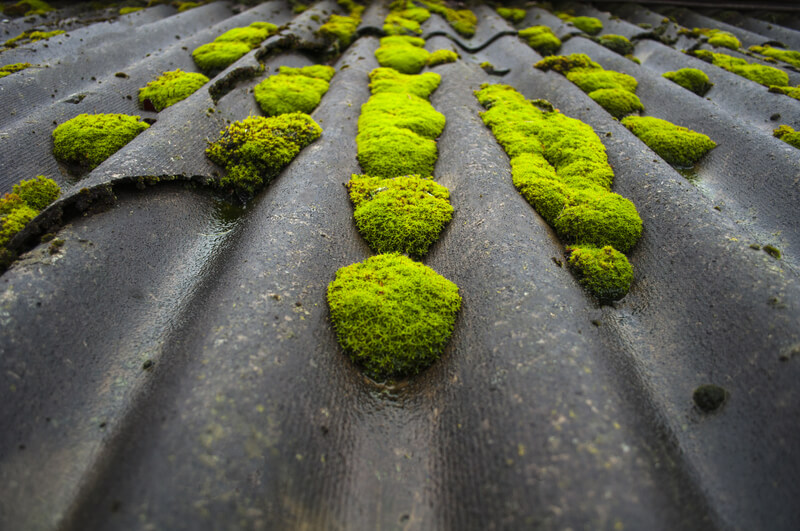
{"type": "Point", "coordinates": [547, 409]}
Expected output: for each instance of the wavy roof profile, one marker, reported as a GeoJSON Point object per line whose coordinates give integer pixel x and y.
{"type": "Point", "coordinates": [171, 363]}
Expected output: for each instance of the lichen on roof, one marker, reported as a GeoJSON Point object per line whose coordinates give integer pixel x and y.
{"type": "Point", "coordinates": [392, 315]}
{"type": "Point", "coordinates": [170, 88]}
{"type": "Point", "coordinates": [293, 89]}
{"type": "Point", "coordinates": [677, 145]}
{"type": "Point", "coordinates": [691, 79]}
{"type": "Point", "coordinates": [89, 139]}
{"type": "Point", "coordinates": [404, 54]}
{"type": "Point", "coordinates": [541, 38]}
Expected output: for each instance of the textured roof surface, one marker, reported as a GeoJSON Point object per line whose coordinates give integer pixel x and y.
{"type": "Point", "coordinates": [547, 410]}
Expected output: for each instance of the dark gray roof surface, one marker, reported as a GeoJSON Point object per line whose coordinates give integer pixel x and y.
{"type": "Point", "coordinates": [546, 411]}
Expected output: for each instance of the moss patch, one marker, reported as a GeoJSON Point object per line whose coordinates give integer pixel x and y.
{"type": "Point", "coordinates": [390, 80]}
{"type": "Point", "coordinates": [787, 56]}
{"type": "Point", "coordinates": [37, 193]}
{"type": "Point", "coordinates": [392, 315]}
{"type": "Point", "coordinates": [231, 45]}
{"type": "Point", "coordinates": [10, 69]}
{"type": "Point", "coordinates": [23, 204]}
{"type": "Point", "coordinates": [765, 75]}
{"type": "Point", "coordinates": [605, 271]}
{"type": "Point", "coordinates": [614, 91]}
{"type": "Point", "coordinates": [792, 92]}
{"type": "Point", "coordinates": [589, 25]}
{"type": "Point", "coordinates": [186, 6]}
{"type": "Point", "coordinates": [293, 89]}
{"type": "Point", "coordinates": [340, 29]}
{"type": "Point", "coordinates": [170, 88]}
{"type": "Point", "coordinates": [404, 54]}
{"type": "Point", "coordinates": [511, 14]}
{"type": "Point", "coordinates": [254, 150]}
{"type": "Point", "coordinates": [542, 39]}
{"type": "Point", "coordinates": [677, 145]}
{"type": "Point", "coordinates": [28, 8]}
{"type": "Point", "coordinates": [560, 166]}
{"type": "Point", "coordinates": [441, 57]}
{"type": "Point", "coordinates": [27, 37]}
{"type": "Point", "coordinates": [617, 43]}
{"type": "Point", "coordinates": [89, 139]}
{"type": "Point", "coordinates": [129, 10]}
{"type": "Point", "coordinates": [714, 37]}
{"type": "Point", "coordinates": [788, 135]}
{"type": "Point", "coordinates": [691, 79]}
{"type": "Point", "coordinates": [462, 20]}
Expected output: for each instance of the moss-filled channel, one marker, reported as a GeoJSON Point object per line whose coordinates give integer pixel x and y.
{"type": "Point", "coordinates": [560, 166]}
{"type": "Point", "coordinates": [392, 315]}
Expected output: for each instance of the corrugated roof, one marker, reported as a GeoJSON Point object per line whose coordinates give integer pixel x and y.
{"type": "Point", "coordinates": [173, 365]}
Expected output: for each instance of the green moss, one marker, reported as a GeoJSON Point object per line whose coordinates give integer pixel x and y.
{"type": "Point", "coordinates": [27, 37]}
{"type": "Point", "coordinates": [28, 8]}
{"type": "Point", "coordinates": [511, 14]}
{"type": "Point", "coordinates": [390, 80]}
{"type": "Point", "coordinates": [787, 56]}
{"type": "Point", "coordinates": [773, 251]}
{"type": "Point", "coordinates": [724, 39]}
{"type": "Point", "coordinates": [677, 145]}
{"type": "Point", "coordinates": [10, 69]}
{"type": "Point", "coordinates": [441, 57]}
{"type": "Point", "coordinates": [293, 89]}
{"type": "Point", "coordinates": [542, 39]}
{"type": "Point", "coordinates": [396, 24]}
{"type": "Point", "coordinates": [792, 92]}
{"type": "Point", "coordinates": [589, 25]}
{"type": "Point", "coordinates": [404, 214]}
{"type": "Point", "coordinates": [37, 193]}
{"type": "Point", "coordinates": [604, 271]}
{"type": "Point", "coordinates": [89, 139]}
{"type": "Point", "coordinates": [251, 35]}
{"type": "Point", "coordinates": [617, 102]}
{"type": "Point", "coordinates": [617, 43]}
{"type": "Point", "coordinates": [186, 6]}
{"type": "Point", "coordinates": [9, 203]}
{"type": "Point", "coordinates": [560, 166]}
{"type": "Point", "coordinates": [340, 29]}
{"type": "Point", "coordinates": [589, 80]}
{"type": "Point", "coordinates": [565, 63]}
{"type": "Point", "coordinates": [788, 135]}
{"type": "Point", "coordinates": [392, 315]}
{"type": "Point", "coordinates": [633, 58]}
{"type": "Point", "coordinates": [691, 79]}
{"type": "Point", "coordinates": [15, 221]}
{"type": "Point", "coordinates": [765, 75]}
{"type": "Point", "coordinates": [462, 20]}
{"type": "Point", "coordinates": [254, 150]}
{"type": "Point", "coordinates": [404, 54]}
{"type": "Point", "coordinates": [216, 56]}
{"type": "Point", "coordinates": [170, 88]}
{"type": "Point", "coordinates": [129, 10]}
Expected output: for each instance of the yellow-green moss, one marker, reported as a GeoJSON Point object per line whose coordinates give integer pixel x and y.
{"type": "Point", "coordinates": [404, 54]}
{"type": "Point", "coordinates": [691, 79]}
{"type": "Point", "coordinates": [441, 57]}
{"type": "Point", "coordinates": [404, 214]}
{"type": "Point", "coordinates": [392, 315]}
{"type": "Point", "coordinates": [604, 271]}
{"type": "Point", "coordinates": [614, 91]}
{"type": "Point", "coordinates": [10, 69]}
{"type": "Point", "coordinates": [765, 75]}
{"type": "Point", "coordinates": [37, 193]}
{"type": "Point", "coordinates": [560, 166]}
{"type": "Point", "coordinates": [787, 56]}
{"type": "Point", "coordinates": [251, 35]}
{"type": "Point", "coordinates": [129, 10]}
{"type": "Point", "coordinates": [589, 25]}
{"type": "Point", "coordinates": [340, 29]}
{"type": "Point", "coordinates": [788, 135]}
{"type": "Point", "coordinates": [30, 36]}
{"type": "Point", "coordinates": [185, 6]}
{"type": "Point", "coordinates": [231, 46]}
{"type": "Point", "coordinates": [511, 14]}
{"type": "Point", "coordinates": [89, 139]}
{"type": "Point", "coordinates": [293, 89]}
{"type": "Point", "coordinates": [715, 37]}
{"type": "Point", "coordinates": [254, 150]}
{"type": "Point", "coordinates": [792, 92]}
{"type": "Point", "coordinates": [170, 88]}
{"type": "Point", "coordinates": [28, 8]}
{"type": "Point", "coordinates": [25, 202]}
{"type": "Point", "coordinates": [542, 39]}
{"type": "Point", "coordinates": [405, 18]}
{"type": "Point", "coordinates": [462, 20]}
{"type": "Point", "coordinates": [616, 43]}
{"type": "Point", "coordinates": [383, 80]}
{"type": "Point", "coordinates": [677, 145]}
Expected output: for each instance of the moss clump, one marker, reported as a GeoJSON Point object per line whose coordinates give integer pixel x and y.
{"type": "Point", "coordinates": [10, 69]}
{"type": "Point", "coordinates": [293, 89]}
{"type": "Point", "coordinates": [170, 88]}
{"type": "Point", "coordinates": [511, 14]}
{"type": "Point", "coordinates": [129, 10]}
{"type": "Point", "coordinates": [382, 80]}
{"type": "Point", "coordinates": [691, 79]}
{"type": "Point", "coordinates": [560, 166]}
{"type": "Point", "coordinates": [792, 92]}
{"type": "Point", "coordinates": [404, 214]}
{"type": "Point", "coordinates": [392, 315]}
{"type": "Point", "coordinates": [604, 271]}
{"type": "Point", "coordinates": [714, 37]}
{"type": "Point", "coordinates": [788, 135]}
{"type": "Point", "coordinates": [254, 150]}
{"type": "Point", "coordinates": [614, 91]}
{"type": "Point", "coordinates": [589, 25]}
{"type": "Point", "coordinates": [25, 202]}
{"type": "Point", "coordinates": [28, 8]}
{"type": "Point", "coordinates": [441, 57]}
{"type": "Point", "coordinates": [231, 45]}
{"type": "Point", "coordinates": [340, 29]}
{"type": "Point", "coordinates": [765, 75]}
{"type": "Point", "coordinates": [462, 20]}
{"type": "Point", "coordinates": [89, 139]}
{"type": "Point", "coordinates": [404, 54]}
{"type": "Point", "coordinates": [542, 39]}
{"type": "Point", "coordinates": [27, 37]}
{"type": "Point", "coordinates": [617, 43]}
{"type": "Point", "coordinates": [787, 56]}
{"type": "Point", "coordinates": [677, 145]}
{"type": "Point", "coordinates": [773, 251]}
{"type": "Point", "coordinates": [709, 397]}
